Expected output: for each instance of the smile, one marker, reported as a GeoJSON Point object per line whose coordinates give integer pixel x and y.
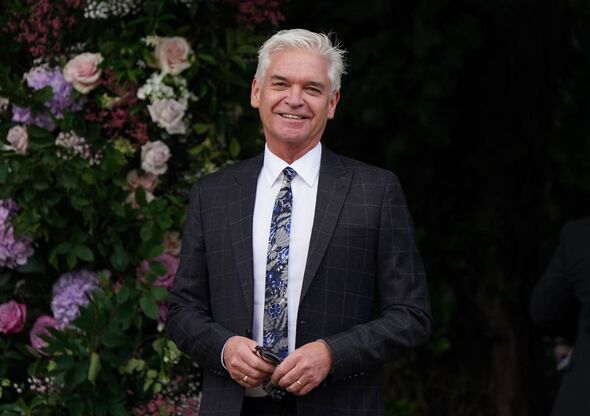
{"type": "Point", "coordinates": [292, 116]}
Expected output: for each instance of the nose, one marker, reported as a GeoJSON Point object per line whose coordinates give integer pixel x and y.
{"type": "Point", "coordinates": [295, 97]}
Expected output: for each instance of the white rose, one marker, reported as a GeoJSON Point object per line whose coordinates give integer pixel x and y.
{"type": "Point", "coordinates": [18, 139]}
{"type": "Point", "coordinates": [173, 54]}
{"type": "Point", "coordinates": [83, 71]}
{"type": "Point", "coordinates": [154, 156]}
{"type": "Point", "coordinates": [168, 114]}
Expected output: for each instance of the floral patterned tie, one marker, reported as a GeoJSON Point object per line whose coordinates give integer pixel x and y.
{"type": "Point", "coordinates": [277, 262]}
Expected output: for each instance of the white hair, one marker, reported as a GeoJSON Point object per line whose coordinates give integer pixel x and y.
{"type": "Point", "coordinates": [306, 40]}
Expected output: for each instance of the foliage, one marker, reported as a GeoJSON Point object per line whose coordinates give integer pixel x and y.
{"type": "Point", "coordinates": [108, 112]}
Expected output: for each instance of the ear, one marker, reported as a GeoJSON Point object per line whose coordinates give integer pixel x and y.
{"type": "Point", "coordinates": [332, 102]}
{"type": "Point", "coordinates": [255, 94]}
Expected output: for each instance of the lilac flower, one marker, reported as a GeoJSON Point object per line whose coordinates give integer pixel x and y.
{"type": "Point", "coordinates": [71, 291]}
{"type": "Point", "coordinates": [26, 116]}
{"type": "Point", "coordinates": [43, 76]}
{"type": "Point", "coordinates": [14, 251]}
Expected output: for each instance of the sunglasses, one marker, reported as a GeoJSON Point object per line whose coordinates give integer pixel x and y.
{"type": "Point", "coordinates": [271, 389]}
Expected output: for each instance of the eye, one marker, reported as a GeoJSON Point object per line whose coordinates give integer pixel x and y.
{"type": "Point", "coordinates": [279, 84]}
{"type": "Point", "coordinates": [313, 90]}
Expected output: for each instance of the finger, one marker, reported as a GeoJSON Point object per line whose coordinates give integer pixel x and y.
{"type": "Point", "coordinates": [259, 364]}
{"type": "Point", "coordinates": [306, 389]}
{"type": "Point", "coordinates": [300, 388]}
{"type": "Point", "coordinates": [283, 369]}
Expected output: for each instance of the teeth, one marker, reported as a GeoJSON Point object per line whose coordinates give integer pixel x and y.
{"type": "Point", "coordinates": [291, 116]}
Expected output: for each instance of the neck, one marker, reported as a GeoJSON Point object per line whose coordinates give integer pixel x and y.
{"type": "Point", "coordinates": [290, 152]}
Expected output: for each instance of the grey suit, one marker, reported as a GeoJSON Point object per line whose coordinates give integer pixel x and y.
{"type": "Point", "coordinates": [364, 289]}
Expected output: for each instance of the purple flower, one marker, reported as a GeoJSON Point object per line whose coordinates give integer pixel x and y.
{"type": "Point", "coordinates": [43, 76]}
{"type": "Point", "coordinates": [26, 116]}
{"type": "Point", "coordinates": [14, 251]}
{"type": "Point", "coordinates": [71, 291]}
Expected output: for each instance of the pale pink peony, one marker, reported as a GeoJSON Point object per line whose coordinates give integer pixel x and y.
{"type": "Point", "coordinates": [173, 55]}
{"type": "Point", "coordinates": [169, 261]}
{"type": "Point", "coordinates": [41, 328]}
{"type": "Point", "coordinates": [154, 156]}
{"type": "Point", "coordinates": [83, 72]}
{"type": "Point", "coordinates": [12, 317]}
{"type": "Point", "coordinates": [168, 114]}
{"type": "Point", "coordinates": [18, 139]}
{"type": "Point", "coordinates": [172, 242]}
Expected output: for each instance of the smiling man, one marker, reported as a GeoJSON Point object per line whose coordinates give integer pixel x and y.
{"type": "Point", "coordinates": [299, 274]}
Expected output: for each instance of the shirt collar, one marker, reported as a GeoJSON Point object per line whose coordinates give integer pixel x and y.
{"type": "Point", "coordinates": [307, 166]}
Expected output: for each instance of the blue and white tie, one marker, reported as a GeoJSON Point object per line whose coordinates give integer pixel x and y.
{"type": "Point", "coordinates": [277, 262]}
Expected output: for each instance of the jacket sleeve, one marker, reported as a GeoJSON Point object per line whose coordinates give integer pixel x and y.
{"type": "Point", "coordinates": [189, 322]}
{"type": "Point", "coordinates": [404, 319]}
{"type": "Point", "coordinates": [553, 306]}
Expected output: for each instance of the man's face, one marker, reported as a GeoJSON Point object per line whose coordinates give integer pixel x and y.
{"type": "Point", "coordinates": [294, 99]}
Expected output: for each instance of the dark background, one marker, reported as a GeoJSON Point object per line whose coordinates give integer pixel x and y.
{"type": "Point", "coordinates": [481, 108]}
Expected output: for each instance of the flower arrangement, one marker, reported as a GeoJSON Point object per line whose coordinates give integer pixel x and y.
{"type": "Point", "coordinates": [109, 110]}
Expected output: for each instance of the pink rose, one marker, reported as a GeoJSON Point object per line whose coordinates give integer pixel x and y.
{"type": "Point", "coordinates": [172, 55]}
{"type": "Point", "coordinates": [12, 317]}
{"type": "Point", "coordinates": [40, 328]}
{"type": "Point", "coordinates": [148, 181]}
{"type": "Point", "coordinates": [18, 139]}
{"type": "Point", "coordinates": [154, 156]}
{"type": "Point", "coordinates": [168, 114]}
{"type": "Point", "coordinates": [172, 243]}
{"type": "Point", "coordinates": [83, 71]}
{"type": "Point", "coordinates": [169, 261]}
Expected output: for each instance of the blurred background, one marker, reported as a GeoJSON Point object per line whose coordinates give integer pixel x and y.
{"type": "Point", "coordinates": [481, 107]}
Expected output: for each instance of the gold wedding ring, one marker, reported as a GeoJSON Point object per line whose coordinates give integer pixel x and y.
{"type": "Point", "coordinates": [299, 382]}
{"type": "Point", "coordinates": [245, 379]}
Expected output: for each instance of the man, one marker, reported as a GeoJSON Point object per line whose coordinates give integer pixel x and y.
{"type": "Point", "coordinates": [560, 305]}
{"type": "Point", "coordinates": [302, 252]}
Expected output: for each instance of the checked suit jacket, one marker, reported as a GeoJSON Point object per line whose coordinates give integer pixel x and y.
{"type": "Point", "coordinates": [364, 289]}
{"type": "Point", "coordinates": [560, 305]}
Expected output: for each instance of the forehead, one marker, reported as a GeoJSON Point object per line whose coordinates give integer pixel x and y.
{"type": "Point", "coordinates": [298, 64]}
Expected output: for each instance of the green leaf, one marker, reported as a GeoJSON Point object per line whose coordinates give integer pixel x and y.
{"type": "Point", "coordinates": [207, 58]}
{"type": "Point", "coordinates": [234, 148]}
{"type": "Point", "coordinates": [201, 128]}
{"type": "Point", "coordinates": [84, 253]}
{"type": "Point", "coordinates": [94, 367]}
{"type": "Point", "coordinates": [115, 339]}
{"type": "Point", "coordinates": [149, 306]}
{"type": "Point", "coordinates": [140, 197]}
{"type": "Point", "coordinates": [157, 268]}
{"type": "Point", "coordinates": [72, 259]}
{"type": "Point", "coordinates": [155, 251]}
{"type": "Point", "coordinates": [76, 375]}
{"type": "Point", "coordinates": [119, 259]}
{"type": "Point", "coordinates": [159, 293]}
{"type": "Point", "coordinates": [123, 294]}
{"type": "Point", "coordinates": [146, 231]}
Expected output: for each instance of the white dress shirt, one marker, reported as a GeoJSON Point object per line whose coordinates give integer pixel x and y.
{"type": "Point", "coordinates": [304, 187]}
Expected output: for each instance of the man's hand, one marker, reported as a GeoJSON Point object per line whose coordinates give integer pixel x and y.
{"type": "Point", "coordinates": [244, 366]}
{"type": "Point", "coordinates": [304, 369]}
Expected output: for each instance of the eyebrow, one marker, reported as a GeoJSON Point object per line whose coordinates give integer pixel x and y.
{"type": "Point", "coordinates": [316, 84]}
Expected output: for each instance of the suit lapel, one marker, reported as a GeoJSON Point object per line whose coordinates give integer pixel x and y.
{"type": "Point", "coordinates": [334, 182]}
{"type": "Point", "coordinates": [242, 193]}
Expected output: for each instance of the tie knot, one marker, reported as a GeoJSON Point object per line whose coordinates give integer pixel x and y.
{"type": "Point", "coordinates": [289, 173]}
